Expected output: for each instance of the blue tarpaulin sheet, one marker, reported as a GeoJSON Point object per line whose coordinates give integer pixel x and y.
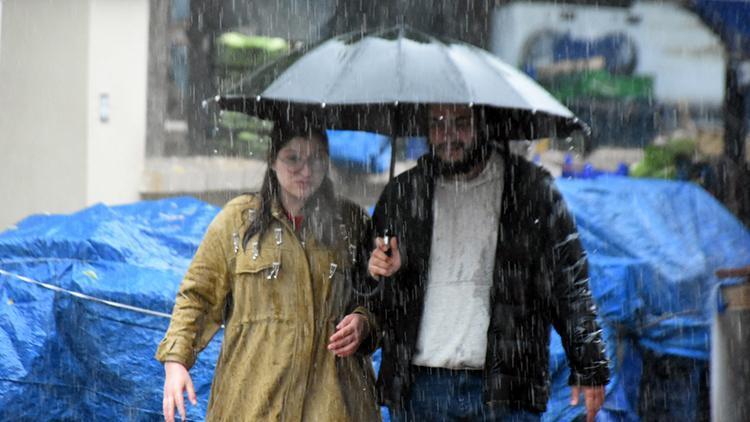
{"type": "Point", "coordinates": [72, 357]}
{"type": "Point", "coordinates": [85, 298]}
{"type": "Point", "coordinates": [363, 152]}
{"type": "Point", "coordinates": [653, 248]}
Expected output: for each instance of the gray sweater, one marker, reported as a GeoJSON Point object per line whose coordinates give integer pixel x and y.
{"type": "Point", "coordinates": [453, 331]}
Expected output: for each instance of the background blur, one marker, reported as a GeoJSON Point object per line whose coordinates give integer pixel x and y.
{"type": "Point", "coordinates": [100, 100]}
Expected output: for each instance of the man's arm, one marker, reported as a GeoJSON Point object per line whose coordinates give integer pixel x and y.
{"type": "Point", "coordinates": [573, 308]}
{"type": "Point", "coordinates": [384, 218]}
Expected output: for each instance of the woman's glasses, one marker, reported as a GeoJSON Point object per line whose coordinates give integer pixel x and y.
{"type": "Point", "coordinates": [295, 163]}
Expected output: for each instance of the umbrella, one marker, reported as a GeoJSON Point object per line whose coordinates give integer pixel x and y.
{"type": "Point", "coordinates": [382, 81]}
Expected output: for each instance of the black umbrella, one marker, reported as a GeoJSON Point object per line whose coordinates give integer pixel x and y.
{"type": "Point", "coordinates": [382, 81]}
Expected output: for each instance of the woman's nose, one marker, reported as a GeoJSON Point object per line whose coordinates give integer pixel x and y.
{"type": "Point", "coordinates": [306, 169]}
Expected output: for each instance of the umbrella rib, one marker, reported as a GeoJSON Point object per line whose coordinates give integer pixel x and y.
{"type": "Point", "coordinates": [378, 32]}
{"type": "Point", "coordinates": [456, 68]}
{"type": "Point", "coordinates": [520, 96]}
{"type": "Point", "coordinates": [339, 77]}
{"type": "Point", "coordinates": [262, 69]}
{"type": "Point", "coordinates": [399, 62]}
{"type": "Point", "coordinates": [513, 87]}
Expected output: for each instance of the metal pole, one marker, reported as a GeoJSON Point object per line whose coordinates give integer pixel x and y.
{"type": "Point", "coordinates": [735, 126]}
{"type": "Point", "coordinates": [730, 352]}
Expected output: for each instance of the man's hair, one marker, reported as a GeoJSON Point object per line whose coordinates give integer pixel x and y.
{"type": "Point", "coordinates": [478, 153]}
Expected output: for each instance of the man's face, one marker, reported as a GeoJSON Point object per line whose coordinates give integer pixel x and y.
{"type": "Point", "coordinates": [452, 132]}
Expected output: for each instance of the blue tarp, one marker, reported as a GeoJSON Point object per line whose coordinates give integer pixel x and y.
{"type": "Point", "coordinates": [70, 358]}
{"type": "Point", "coordinates": [360, 151]}
{"type": "Point", "coordinates": [366, 152]}
{"type": "Point", "coordinates": [653, 246]}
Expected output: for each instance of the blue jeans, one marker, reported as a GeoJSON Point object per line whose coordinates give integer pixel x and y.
{"type": "Point", "coordinates": [453, 395]}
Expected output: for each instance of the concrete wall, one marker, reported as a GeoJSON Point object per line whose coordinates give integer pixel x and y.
{"type": "Point", "coordinates": [43, 127]}
{"type": "Point", "coordinates": [57, 59]}
{"type": "Point", "coordinates": [673, 46]}
{"type": "Point", "coordinates": [118, 68]}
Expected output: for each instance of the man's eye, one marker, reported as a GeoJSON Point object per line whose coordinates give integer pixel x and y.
{"type": "Point", "coordinates": [464, 123]}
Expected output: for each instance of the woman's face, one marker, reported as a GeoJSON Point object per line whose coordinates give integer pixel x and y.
{"type": "Point", "coordinates": [300, 167]}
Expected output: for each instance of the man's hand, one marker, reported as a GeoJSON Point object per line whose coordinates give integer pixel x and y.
{"type": "Point", "coordinates": [380, 263]}
{"type": "Point", "coordinates": [176, 381]}
{"type": "Point", "coordinates": [350, 333]}
{"type": "Point", "coordinates": [594, 399]}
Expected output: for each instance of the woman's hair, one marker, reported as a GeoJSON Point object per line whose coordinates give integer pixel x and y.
{"type": "Point", "coordinates": [269, 191]}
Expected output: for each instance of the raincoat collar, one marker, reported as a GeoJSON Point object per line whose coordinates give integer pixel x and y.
{"type": "Point", "coordinates": [319, 218]}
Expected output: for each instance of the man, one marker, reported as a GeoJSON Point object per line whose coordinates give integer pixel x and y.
{"type": "Point", "coordinates": [485, 259]}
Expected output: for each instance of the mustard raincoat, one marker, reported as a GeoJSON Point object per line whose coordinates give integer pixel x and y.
{"type": "Point", "coordinates": [280, 300]}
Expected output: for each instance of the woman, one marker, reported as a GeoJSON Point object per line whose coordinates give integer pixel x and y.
{"type": "Point", "coordinates": [277, 269]}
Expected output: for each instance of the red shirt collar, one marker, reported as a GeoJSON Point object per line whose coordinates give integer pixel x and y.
{"type": "Point", "coordinates": [295, 220]}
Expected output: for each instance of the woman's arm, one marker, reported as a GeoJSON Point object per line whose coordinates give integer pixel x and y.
{"type": "Point", "coordinates": [197, 314]}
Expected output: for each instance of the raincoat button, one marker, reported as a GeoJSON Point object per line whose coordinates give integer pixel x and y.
{"type": "Point", "coordinates": [236, 242]}
{"type": "Point", "coordinates": [279, 238]}
{"type": "Point", "coordinates": [332, 270]}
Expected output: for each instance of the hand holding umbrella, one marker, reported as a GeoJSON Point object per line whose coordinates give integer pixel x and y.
{"type": "Point", "coordinates": [385, 259]}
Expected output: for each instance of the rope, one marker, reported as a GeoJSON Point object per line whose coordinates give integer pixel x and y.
{"type": "Point", "coordinates": [84, 296]}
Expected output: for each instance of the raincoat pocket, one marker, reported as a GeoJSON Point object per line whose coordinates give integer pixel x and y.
{"type": "Point", "coordinates": [262, 288]}
{"type": "Point", "coordinates": [262, 266]}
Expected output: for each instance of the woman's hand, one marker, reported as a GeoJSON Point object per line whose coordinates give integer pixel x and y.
{"type": "Point", "coordinates": [176, 381]}
{"type": "Point", "coordinates": [350, 333]}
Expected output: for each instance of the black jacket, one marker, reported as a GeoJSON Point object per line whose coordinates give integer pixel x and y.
{"type": "Point", "coordinates": [540, 280]}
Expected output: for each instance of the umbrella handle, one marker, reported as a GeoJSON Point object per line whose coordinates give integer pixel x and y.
{"type": "Point", "coordinates": [387, 236]}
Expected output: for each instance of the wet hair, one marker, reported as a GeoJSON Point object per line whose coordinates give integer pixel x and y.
{"type": "Point", "coordinates": [281, 134]}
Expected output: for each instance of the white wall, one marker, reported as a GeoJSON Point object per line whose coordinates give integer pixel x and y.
{"type": "Point", "coordinates": [43, 130]}
{"type": "Point", "coordinates": [118, 67]}
{"type": "Point", "coordinates": [56, 59]}
{"type": "Point", "coordinates": [1, 24]}
{"type": "Point", "coordinates": [685, 58]}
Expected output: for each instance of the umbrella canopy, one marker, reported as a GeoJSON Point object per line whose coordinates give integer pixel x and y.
{"type": "Point", "coordinates": [383, 80]}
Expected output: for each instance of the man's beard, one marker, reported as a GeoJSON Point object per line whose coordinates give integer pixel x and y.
{"type": "Point", "coordinates": [477, 154]}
